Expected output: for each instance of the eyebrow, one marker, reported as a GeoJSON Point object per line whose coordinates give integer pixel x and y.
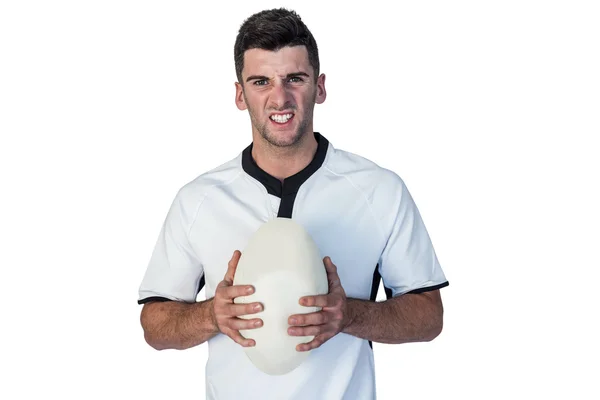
{"type": "Point", "coordinates": [292, 75]}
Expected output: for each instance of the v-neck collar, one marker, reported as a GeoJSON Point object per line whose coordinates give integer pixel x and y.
{"type": "Point", "coordinates": [290, 184]}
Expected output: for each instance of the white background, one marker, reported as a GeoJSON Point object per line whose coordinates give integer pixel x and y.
{"type": "Point", "coordinates": [488, 110]}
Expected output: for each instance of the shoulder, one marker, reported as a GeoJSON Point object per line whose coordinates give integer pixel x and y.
{"type": "Point", "coordinates": [378, 184]}
{"type": "Point", "coordinates": [193, 193]}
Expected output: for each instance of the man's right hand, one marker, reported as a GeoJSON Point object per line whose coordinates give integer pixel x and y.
{"type": "Point", "coordinates": [226, 313]}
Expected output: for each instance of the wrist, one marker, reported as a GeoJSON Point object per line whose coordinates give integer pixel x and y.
{"type": "Point", "coordinates": [212, 317]}
{"type": "Point", "coordinates": [350, 317]}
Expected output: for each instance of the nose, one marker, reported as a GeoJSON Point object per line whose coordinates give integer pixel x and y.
{"type": "Point", "coordinates": [280, 96]}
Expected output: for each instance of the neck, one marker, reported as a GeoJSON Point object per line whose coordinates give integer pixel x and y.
{"type": "Point", "coordinates": [283, 162]}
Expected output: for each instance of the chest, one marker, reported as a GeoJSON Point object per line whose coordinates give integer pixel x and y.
{"type": "Point", "coordinates": [342, 227]}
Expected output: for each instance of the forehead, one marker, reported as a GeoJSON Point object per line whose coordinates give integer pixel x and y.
{"type": "Point", "coordinates": [281, 62]}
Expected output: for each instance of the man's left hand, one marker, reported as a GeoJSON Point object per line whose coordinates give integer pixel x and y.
{"type": "Point", "coordinates": [328, 322]}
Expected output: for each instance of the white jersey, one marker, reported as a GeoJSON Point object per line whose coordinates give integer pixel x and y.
{"type": "Point", "coordinates": [359, 214]}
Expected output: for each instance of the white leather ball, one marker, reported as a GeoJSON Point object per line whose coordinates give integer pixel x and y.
{"type": "Point", "coordinates": [283, 264]}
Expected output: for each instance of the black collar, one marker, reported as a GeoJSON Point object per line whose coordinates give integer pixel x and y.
{"type": "Point", "coordinates": [291, 184]}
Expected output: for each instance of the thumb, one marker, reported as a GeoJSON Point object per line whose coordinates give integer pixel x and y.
{"type": "Point", "coordinates": [232, 266]}
{"type": "Point", "coordinates": [332, 275]}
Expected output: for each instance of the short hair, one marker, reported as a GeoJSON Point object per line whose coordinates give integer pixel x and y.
{"type": "Point", "coordinates": [272, 30]}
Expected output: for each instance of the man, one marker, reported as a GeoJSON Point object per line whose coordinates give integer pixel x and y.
{"type": "Point", "coordinates": [361, 216]}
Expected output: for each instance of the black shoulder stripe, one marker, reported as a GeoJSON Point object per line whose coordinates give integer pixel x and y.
{"type": "Point", "coordinates": [375, 288]}
{"type": "Point", "coordinates": [152, 299]}
{"type": "Point", "coordinates": [201, 284]}
{"type": "Point", "coordinates": [429, 288]}
{"type": "Point", "coordinates": [160, 298]}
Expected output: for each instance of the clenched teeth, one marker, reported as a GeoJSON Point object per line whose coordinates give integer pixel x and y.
{"type": "Point", "coordinates": [281, 118]}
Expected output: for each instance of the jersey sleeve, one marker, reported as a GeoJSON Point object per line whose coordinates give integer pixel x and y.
{"type": "Point", "coordinates": [408, 263]}
{"type": "Point", "coordinates": [174, 271]}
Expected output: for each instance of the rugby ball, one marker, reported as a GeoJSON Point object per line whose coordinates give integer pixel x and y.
{"type": "Point", "coordinates": [283, 263]}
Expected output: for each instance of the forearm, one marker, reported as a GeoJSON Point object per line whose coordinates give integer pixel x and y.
{"type": "Point", "coordinates": [176, 325]}
{"type": "Point", "coordinates": [402, 319]}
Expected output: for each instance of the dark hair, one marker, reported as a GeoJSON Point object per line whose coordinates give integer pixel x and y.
{"type": "Point", "coordinates": [272, 30]}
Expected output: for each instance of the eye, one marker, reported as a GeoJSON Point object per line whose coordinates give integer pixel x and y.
{"type": "Point", "coordinates": [260, 82]}
{"type": "Point", "coordinates": [296, 79]}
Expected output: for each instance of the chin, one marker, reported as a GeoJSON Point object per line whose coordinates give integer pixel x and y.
{"type": "Point", "coordinates": [282, 139]}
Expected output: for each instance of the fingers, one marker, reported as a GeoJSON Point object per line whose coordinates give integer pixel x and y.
{"type": "Point", "coordinates": [228, 292]}
{"type": "Point", "coordinates": [227, 312]}
{"type": "Point", "coordinates": [313, 330]}
{"type": "Point", "coordinates": [237, 310]}
{"type": "Point", "coordinates": [313, 344]}
{"type": "Point", "coordinates": [231, 325]}
{"type": "Point", "coordinates": [314, 324]}
{"type": "Point", "coordinates": [316, 318]}
{"type": "Point", "coordinates": [239, 339]}
{"type": "Point", "coordinates": [225, 309]}
{"type": "Point", "coordinates": [323, 300]}
{"type": "Point", "coordinates": [239, 324]}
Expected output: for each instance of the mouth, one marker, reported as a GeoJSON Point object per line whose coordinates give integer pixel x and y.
{"type": "Point", "coordinates": [281, 119]}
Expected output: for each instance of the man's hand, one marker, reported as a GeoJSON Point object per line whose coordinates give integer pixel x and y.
{"type": "Point", "coordinates": [226, 312]}
{"type": "Point", "coordinates": [328, 322]}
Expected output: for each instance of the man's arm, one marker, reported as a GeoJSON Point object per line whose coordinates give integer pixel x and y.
{"type": "Point", "coordinates": [410, 317]}
{"type": "Point", "coordinates": [177, 325]}
{"type": "Point", "coordinates": [403, 319]}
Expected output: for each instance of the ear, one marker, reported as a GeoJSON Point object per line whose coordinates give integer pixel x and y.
{"type": "Point", "coordinates": [321, 92]}
{"type": "Point", "coordinates": [240, 102]}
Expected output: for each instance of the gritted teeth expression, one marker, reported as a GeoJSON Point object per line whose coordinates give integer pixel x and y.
{"type": "Point", "coordinates": [281, 118]}
{"type": "Point", "coordinates": [279, 91]}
